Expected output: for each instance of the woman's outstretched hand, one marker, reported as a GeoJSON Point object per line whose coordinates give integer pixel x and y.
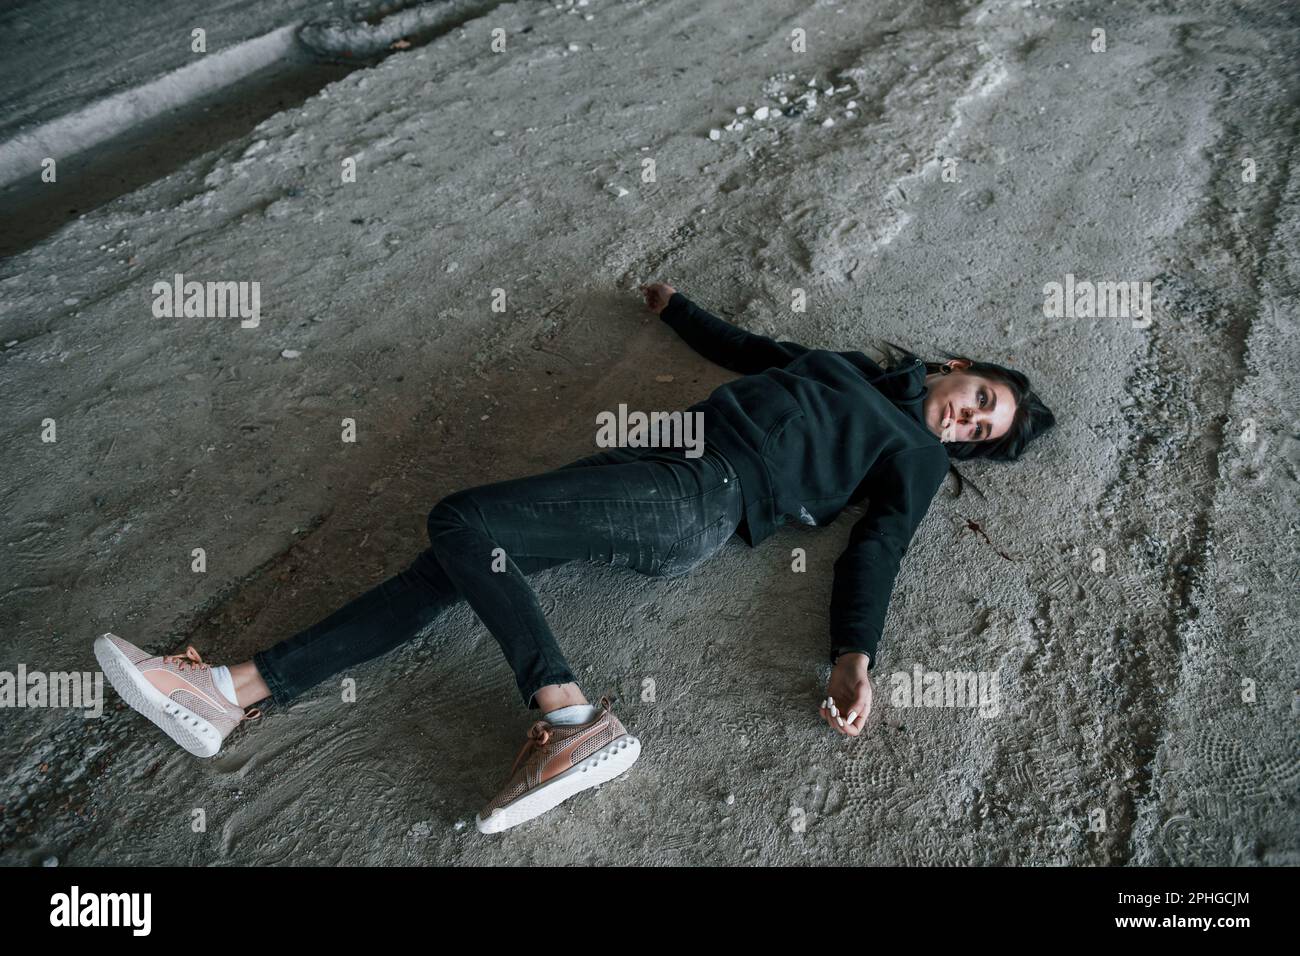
{"type": "Point", "coordinates": [848, 700]}
{"type": "Point", "coordinates": [657, 295]}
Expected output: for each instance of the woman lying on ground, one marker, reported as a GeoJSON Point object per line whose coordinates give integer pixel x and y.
{"type": "Point", "coordinates": [802, 435]}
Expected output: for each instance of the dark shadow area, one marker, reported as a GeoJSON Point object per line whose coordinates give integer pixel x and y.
{"type": "Point", "coordinates": [31, 209]}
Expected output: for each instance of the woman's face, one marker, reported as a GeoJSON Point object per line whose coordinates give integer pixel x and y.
{"type": "Point", "coordinates": [962, 406]}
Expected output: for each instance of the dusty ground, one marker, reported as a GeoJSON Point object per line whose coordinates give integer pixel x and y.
{"type": "Point", "coordinates": [1147, 711]}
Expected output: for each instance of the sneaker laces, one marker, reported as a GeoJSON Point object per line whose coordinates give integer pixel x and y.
{"type": "Point", "coordinates": [191, 657]}
{"type": "Point", "coordinates": [538, 734]}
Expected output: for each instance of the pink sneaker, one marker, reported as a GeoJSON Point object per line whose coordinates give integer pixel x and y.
{"type": "Point", "coordinates": [175, 691]}
{"type": "Point", "coordinates": [557, 761]}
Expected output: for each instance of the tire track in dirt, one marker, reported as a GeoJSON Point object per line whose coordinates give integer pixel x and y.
{"type": "Point", "coordinates": [1195, 360]}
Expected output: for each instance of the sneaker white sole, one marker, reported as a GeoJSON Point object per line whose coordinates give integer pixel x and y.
{"type": "Point", "coordinates": [192, 731]}
{"type": "Point", "coordinates": [608, 762]}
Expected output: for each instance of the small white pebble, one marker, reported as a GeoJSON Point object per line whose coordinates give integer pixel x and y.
{"type": "Point", "coordinates": [498, 132]}
{"type": "Point", "coordinates": [452, 267]}
{"type": "Point", "coordinates": [574, 48]}
{"type": "Point", "coordinates": [11, 343]}
{"type": "Point", "coordinates": [731, 798]}
{"type": "Point", "coordinates": [715, 134]}
{"type": "Point", "coordinates": [741, 110]}
{"type": "Point", "coordinates": [290, 354]}
{"type": "Point", "coordinates": [828, 122]}
{"type": "Point", "coordinates": [618, 191]}
{"type": "Point", "coordinates": [853, 104]}
{"type": "Point", "coordinates": [761, 113]}
{"type": "Point", "coordinates": [849, 114]}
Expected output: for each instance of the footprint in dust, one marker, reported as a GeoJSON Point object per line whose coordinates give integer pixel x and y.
{"type": "Point", "coordinates": [1184, 840]}
{"type": "Point", "coordinates": [1243, 770]}
{"type": "Point", "coordinates": [821, 796]}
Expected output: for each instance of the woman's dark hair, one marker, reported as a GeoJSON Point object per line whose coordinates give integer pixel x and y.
{"type": "Point", "coordinates": [1032, 417]}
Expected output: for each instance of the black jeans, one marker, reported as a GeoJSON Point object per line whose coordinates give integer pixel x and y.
{"type": "Point", "coordinates": [652, 510]}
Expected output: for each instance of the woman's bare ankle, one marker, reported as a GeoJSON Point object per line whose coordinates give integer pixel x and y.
{"type": "Point", "coordinates": [554, 696]}
{"type": "Point", "coordinates": [249, 686]}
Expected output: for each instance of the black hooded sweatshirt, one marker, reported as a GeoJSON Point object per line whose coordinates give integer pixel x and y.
{"type": "Point", "coordinates": [809, 432]}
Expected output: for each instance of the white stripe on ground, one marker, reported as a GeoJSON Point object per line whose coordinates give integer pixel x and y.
{"type": "Point", "coordinates": [22, 155]}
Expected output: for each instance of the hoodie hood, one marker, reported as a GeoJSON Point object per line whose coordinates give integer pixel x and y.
{"type": "Point", "coordinates": [903, 384]}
